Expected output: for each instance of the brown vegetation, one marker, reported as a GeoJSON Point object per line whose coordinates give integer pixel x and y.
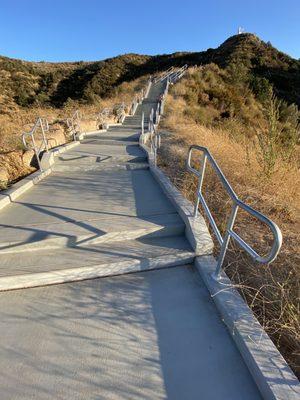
{"type": "Point", "coordinates": [271, 291]}
{"type": "Point", "coordinates": [16, 162]}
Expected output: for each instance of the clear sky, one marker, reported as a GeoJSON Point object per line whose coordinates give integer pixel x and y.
{"type": "Point", "coordinates": [69, 30]}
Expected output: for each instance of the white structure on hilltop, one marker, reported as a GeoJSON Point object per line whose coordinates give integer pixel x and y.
{"type": "Point", "coordinates": [241, 30]}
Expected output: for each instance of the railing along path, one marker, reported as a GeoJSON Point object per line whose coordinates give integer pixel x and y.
{"type": "Point", "coordinates": [41, 125]}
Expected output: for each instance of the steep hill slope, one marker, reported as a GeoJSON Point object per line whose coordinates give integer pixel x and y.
{"type": "Point", "coordinates": [256, 143]}
{"type": "Point", "coordinates": [30, 83]}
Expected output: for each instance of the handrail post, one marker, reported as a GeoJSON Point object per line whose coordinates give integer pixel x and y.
{"type": "Point", "coordinates": [224, 247]}
{"type": "Point", "coordinates": [43, 134]}
{"type": "Point", "coordinates": [200, 183]}
{"type": "Point", "coordinates": [143, 118]}
{"type": "Point", "coordinates": [162, 104]}
{"type": "Point", "coordinates": [237, 203]}
{"type": "Point", "coordinates": [37, 154]}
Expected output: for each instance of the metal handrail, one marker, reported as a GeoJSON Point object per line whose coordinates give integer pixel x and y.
{"type": "Point", "coordinates": [148, 87]}
{"type": "Point", "coordinates": [164, 75]}
{"type": "Point", "coordinates": [175, 76]}
{"type": "Point", "coordinates": [155, 141]}
{"type": "Point", "coordinates": [143, 124]}
{"type": "Point", "coordinates": [172, 75]}
{"type": "Point", "coordinates": [151, 122]}
{"type": "Point", "coordinates": [43, 125]}
{"type": "Point", "coordinates": [119, 110]}
{"type": "Point", "coordinates": [237, 203]}
{"type": "Point", "coordinates": [154, 117]}
{"type": "Point", "coordinates": [119, 106]}
{"type": "Point", "coordinates": [74, 123]}
{"type": "Point", "coordinates": [103, 115]}
{"type": "Point", "coordinates": [134, 105]}
{"type": "Point", "coordinates": [157, 113]}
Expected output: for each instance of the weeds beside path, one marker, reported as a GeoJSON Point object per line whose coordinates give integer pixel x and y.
{"type": "Point", "coordinates": [271, 291]}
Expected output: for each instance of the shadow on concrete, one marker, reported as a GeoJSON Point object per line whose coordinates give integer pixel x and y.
{"type": "Point", "coordinates": [153, 335]}
{"type": "Point", "coordinates": [63, 204]}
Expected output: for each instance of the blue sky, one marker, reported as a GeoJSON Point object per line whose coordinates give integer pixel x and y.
{"type": "Point", "coordinates": [68, 30]}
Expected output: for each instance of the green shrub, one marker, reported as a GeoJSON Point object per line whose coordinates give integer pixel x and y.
{"type": "Point", "coordinates": [261, 87]}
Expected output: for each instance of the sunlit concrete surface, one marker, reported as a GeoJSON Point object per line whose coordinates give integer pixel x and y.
{"type": "Point", "coordinates": [151, 335]}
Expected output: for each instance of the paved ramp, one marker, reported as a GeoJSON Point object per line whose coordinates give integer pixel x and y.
{"type": "Point", "coordinates": [147, 335]}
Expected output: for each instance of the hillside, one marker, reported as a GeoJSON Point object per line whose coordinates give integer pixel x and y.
{"type": "Point", "coordinates": [256, 143]}
{"type": "Point", "coordinates": [241, 100]}
{"type": "Point", "coordinates": [27, 84]}
{"type": "Point", "coordinates": [230, 92]}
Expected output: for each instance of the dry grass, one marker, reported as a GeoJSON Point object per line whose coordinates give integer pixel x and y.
{"type": "Point", "coordinates": [14, 161]}
{"type": "Point", "coordinates": [272, 291]}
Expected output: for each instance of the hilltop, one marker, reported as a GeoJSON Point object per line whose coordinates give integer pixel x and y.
{"type": "Point", "coordinates": [27, 84]}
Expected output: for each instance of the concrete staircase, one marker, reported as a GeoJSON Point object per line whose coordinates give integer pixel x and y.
{"type": "Point", "coordinates": [152, 334]}
{"type": "Point", "coordinates": [99, 213]}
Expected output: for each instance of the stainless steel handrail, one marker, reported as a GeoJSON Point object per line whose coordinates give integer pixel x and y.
{"type": "Point", "coordinates": [151, 121]}
{"type": "Point", "coordinates": [237, 203]}
{"type": "Point", "coordinates": [134, 105]}
{"type": "Point", "coordinates": [175, 76]}
{"type": "Point", "coordinates": [42, 124]}
{"type": "Point", "coordinates": [172, 75]}
{"type": "Point", "coordinates": [164, 75]}
{"type": "Point", "coordinates": [74, 123]}
{"type": "Point", "coordinates": [155, 141]}
{"type": "Point", "coordinates": [152, 136]}
{"type": "Point", "coordinates": [157, 112]}
{"type": "Point", "coordinates": [103, 115]}
{"type": "Point", "coordinates": [148, 87]}
{"type": "Point", "coordinates": [120, 113]}
{"type": "Point", "coordinates": [143, 124]}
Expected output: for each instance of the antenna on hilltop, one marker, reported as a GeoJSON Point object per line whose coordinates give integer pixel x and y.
{"type": "Point", "coordinates": [241, 30]}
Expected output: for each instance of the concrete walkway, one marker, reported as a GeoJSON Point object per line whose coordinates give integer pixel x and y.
{"type": "Point", "coordinates": [148, 335]}
{"type": "Point", "coordinates": [151, 335]}
{"type": "Point", "coordinates": [99, 212]}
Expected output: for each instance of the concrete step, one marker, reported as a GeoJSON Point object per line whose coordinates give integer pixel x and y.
{"type": "Point", "coordinates": [123, 137]}
{"type": "Point", "coordinates": [69, 196]}
{"type": "Point", "coordinates": [112, 165]}
{"type": "Point", "coordinates": [121, 126]}
{"type": "Point", "coordinates": [129, 129]}
{"type": "Point", "coordinates": [100, 229]}
{"type": "Point", "coordinates": [93, 163]}
{"type": "Point", "coordinates": [93, 152]}
{"type": "Point", "coordinates": [48, 267]}
{"type": "Point", "coordinates": [115, 142]}
{"type": "Point", "coordinates": [127, 132]}
{"type": "Point", "coordinates": [136, 117]}
{"type": "Point", "coordinates": [108, 139]}
{"type": "Point", "coordinates": [121, 134]}
{"type": "Point", "coordinates": [96, 148]}
{"type": "Point", "coordinates": [135, 122]}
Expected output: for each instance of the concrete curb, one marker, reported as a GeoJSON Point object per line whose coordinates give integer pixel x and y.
{"type": "Point", "coordinates": [65, 147]}
{"type": "Point", "coordinates": [196, 229]}
{"type": "Point", "coordinates": [270, 371]}
{"type": "Point", "coordinates": [19, 188]}
{"type": "Point", "coordinates": [95, 271]}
